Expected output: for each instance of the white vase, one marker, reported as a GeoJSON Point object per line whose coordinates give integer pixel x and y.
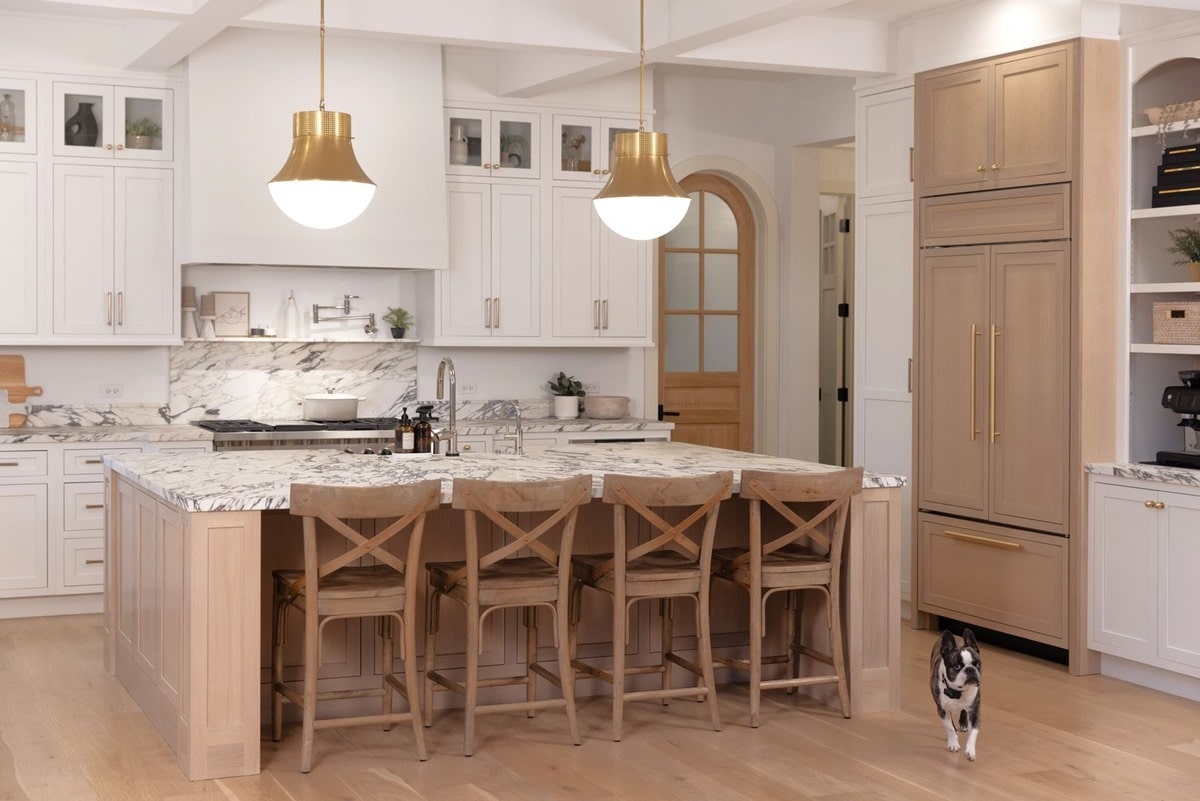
{"type": "Point", "coordinates": [188, 328]}
{"type": "Point", "coordinates": [566, 406]}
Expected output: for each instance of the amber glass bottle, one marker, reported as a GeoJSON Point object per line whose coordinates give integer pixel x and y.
{"type": "Point", "coordinates": [405, 441]}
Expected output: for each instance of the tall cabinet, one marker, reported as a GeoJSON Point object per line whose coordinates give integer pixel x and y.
{"type": "Point", "coordinates": [1017, 259]}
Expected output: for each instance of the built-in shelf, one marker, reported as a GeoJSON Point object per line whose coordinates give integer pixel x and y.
{"type": "Point", "coordinates": [1166, 211]}
{"type": "Point", "coordinates": [1152, 130]}
{"type": "Point", "coordinates": [1180, 350]}
{"type": "Point", "coordinates": [1162, 289]}
{"type": "Point", "coordinates": [379, 341]}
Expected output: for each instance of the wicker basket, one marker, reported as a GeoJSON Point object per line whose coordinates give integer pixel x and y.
{"type": "Point", "coordinates": [1176, 323]}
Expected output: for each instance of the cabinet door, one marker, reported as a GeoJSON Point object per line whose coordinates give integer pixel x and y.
{"type": "Point", "coordinates": [953, 363]}
{"type": "Point", "coordinates": [144, 123]}
{"type": "Point", "coordinates": [83, 120]}
{"type": "Point", "coordinates": [18, 122]}
{"type": "Point", "coordinates": [576, 151]}
{"type": "Point", "coordinates": [1033, 129]}
{"type": "Point", "coordinates": [516, 144]}
{"type": "Point", "coordinates": [468, 283]}
{"type": "Point", "coordinates": [145, 251]}
{"type": "Point", "coordinates": [609, 128]}
{"type": "Point", "coordinates": [468, 142]}
{"type": "Point", "coordinates": [23, 532]}
{"type": "Point", "coordinates": [953, 118]}
{"type": "Point", "coordinates": [575, 266]}
{"type": "Point", "coordinates": [516, 261]}
{"type": "Point", "coordinates": [624, 286]}
{"type": "Point", "coordinates": [885, 136]}
{"type": "Point", "coordinates": [84, 298]}
{"type": "Point", "coordinates": [19, 251]}
{"type": "Point", "coordinates": [1178, 590]}
{"type": "Point", "coordinates": [1124, 565]}
{"type": "Point", "coordinates": [1029, 398]}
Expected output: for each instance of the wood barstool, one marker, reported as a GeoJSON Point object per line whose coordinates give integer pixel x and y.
{"type": "Point", "coordinates": [671, 564]}
{"type": "Point", "coordinates": [340, 588]}
{"type": "Point", "coordinates": [782, 564]}
{"type": "Point", "coordinates": [499, 579]}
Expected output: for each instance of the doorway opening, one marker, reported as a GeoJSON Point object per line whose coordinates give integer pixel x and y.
{"type": "Point", "coordinates": [835, 363]}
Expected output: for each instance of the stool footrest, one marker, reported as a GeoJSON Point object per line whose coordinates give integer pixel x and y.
{"type": "Point", "coordinates": [813, 654]}
{"type": "Point", "coordinates": [686, 664]}
{"type": "Point", "coordinates": [804, 681]}
{"type": "Point", "coordinates": [677, 692]}
{"type": "Point", "coordinates": [548, 675]}
{"type": "Point", "coordinates": [362, 720]}
{"type": "Point", "coordinates": [514, 706]}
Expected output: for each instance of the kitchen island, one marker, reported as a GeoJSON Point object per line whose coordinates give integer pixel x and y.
{"type": "Point", "coordinates": [191, 540]}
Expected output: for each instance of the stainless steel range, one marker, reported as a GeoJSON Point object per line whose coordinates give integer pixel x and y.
{"type": "Point", "coordinates": [375, 433]}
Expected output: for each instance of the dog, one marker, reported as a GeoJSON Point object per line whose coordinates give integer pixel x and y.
{"type": "Point", "coordinates": [955, 672]}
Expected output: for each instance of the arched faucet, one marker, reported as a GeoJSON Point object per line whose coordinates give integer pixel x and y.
{"type": "Point", "coordinates": [451, 431]}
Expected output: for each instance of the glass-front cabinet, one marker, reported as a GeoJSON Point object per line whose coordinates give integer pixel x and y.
{"type": "Point", "coordinates": [492, 143]}
{"type": "Point", "coordinates": [101, 121]}
{"type": "Point", "coordinates": [18, 115]}
{"type": "Point", "coordinates": [583, 146]}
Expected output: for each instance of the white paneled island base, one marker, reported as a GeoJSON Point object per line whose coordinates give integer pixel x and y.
{"type": "Point", "coordinates": [192, 539]}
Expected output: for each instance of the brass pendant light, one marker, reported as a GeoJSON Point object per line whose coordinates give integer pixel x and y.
{"type": "Point", "coordinates": [322, 185]}
{"type": "Point", "coordinates": [642, 199]}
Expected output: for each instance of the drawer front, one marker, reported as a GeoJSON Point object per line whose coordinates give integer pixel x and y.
{"type": "Point", "coordinates": [83, 562]}
{"type": "Point", "coordinates": [190, 447]}
{"type": "Point", "coordinates": [1006, 579]}
{"type": "Point", "coordinates": [83, 506]}
{"type": "Point", "coordinates": [87, 461]}
{"type": "Point", "coordinates": [1005, 215]}
{"type": "Point", "coordinates": [22, 464]}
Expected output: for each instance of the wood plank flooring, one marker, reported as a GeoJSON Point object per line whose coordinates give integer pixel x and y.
{"type": "Point", "coordinates": [69, 732]}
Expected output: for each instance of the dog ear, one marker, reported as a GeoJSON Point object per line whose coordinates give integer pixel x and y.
{"type": "Point", "coordinates": [948, 644]}
{"type": "Point", "coordinates": [969, 639]}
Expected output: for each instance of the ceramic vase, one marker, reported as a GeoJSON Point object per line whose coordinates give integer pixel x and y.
{"type": "Point", "coordinates": [81, 130]}
{"type": "Point", "coordinates": [566, 407]}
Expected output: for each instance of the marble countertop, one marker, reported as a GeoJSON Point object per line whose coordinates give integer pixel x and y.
{"type": "Point", "coordinates": [1145, 472]}
{"type": "Point", "coordinates": [252, 480]}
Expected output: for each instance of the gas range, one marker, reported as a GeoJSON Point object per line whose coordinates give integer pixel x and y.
{"type": "Point", "coordinates": [282, 434]}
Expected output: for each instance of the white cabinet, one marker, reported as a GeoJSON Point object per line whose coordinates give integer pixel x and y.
{"type": "Point", "coordinates": [493, 286]}
{"type": "Point", "coordinates": [114, 265]}
{"type": "Point", "coordinates": [1145, 547]}
{"type": "Point", "coordinates": [884, 168]}
{"type": "Point", "coordinates": [18, 247]}
{"type": "Point", "coordinates": [493, 143]}
{"type": "Point", "coordinates": [18, 115]}
{"type": "Point", "coordinates": [582, 146]}
{"type": "Point", "coordinates": [601, 281]}
{"type": "Point", "coordinates": [23, 533]}
{"type": "Point", "coordinates": [103, 121]}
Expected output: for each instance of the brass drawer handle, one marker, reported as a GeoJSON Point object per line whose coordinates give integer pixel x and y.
{"type": "Point", "coordinates": [1150, 505]}
{"type": "Point", "coordinates": [10, 464]}
{"type": "Point", "coordinates": [988, 541]}
{"type": "Point", "coordinates": [93, 561]}
{"type": "Point", "coordinates": [93, 506]}
{"type": "Point", "coordinates": [1159, 505]}
{"type": "Point", "coordinates": [93, 461]}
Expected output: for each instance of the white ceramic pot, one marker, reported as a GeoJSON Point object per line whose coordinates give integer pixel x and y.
{"type": "Point", "coordinates": [566, 406]}
{"type": "Point", "coordinates": [330, 406]}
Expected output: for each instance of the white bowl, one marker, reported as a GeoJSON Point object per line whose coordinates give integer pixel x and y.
{"type": "Point", "coordinates": [605, 407]}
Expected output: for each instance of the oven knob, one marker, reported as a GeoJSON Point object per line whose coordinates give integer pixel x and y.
{"type": "Point", "coordinates": [385, 451]}
{"type": "Point", "coordinates": [368, 450]}
{"type": "Point", "coordinates": [347, 450]}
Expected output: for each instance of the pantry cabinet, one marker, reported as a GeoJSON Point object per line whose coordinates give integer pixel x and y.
{"type": "Point", "coordinates": [19, 259]}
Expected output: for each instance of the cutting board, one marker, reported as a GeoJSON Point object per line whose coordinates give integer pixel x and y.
{"type": "Point", "coordinates": [12, 381]}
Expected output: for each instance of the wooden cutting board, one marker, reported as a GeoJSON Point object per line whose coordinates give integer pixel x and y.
{"type": "Point", "coordinates": [12, 380]}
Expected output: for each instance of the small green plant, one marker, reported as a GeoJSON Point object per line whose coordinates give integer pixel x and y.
{"type": "Point", "coordinates": [1186, 243]}
{"type": "Point", "coordinates": [143, 127]}
{"type": "Point", "coordinates": [513, 143]}
{"type": "Point", "coordinates": [563, 384]}
{"type": "Point", "coordinates": [397, 317]}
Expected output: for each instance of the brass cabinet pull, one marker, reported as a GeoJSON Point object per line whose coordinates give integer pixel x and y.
{"type": "Point", "coordinates": [487, 312]}
{"type": "Point", "coordinates": [596, 314]}
{"type": "Point", "coordinates": [120, 146]}
{"type": "Point", "coordinates": [974, 333]}
{"type": "Point", "coordinates": [465, 448]}
{"type": "Point", "coordinates": [995, 166]}
{"type": "Point", "coordinates": [1159, 505]}
{"type": "Point", "coordinates": [93, 561]}
{"type": "Point", "coordinates": [10, 464]}
{"type": "Point", "coordinates": [604, 313]}
{"type": "Point", "coordinates": [986, 541]}
{"type": "Point", "coordinates": [108, 146]}
{"type": "Point", "coordinates": [979, 168]}
{"type": "Point", "coordinates": [1150, 504]}
{"type": "Point", "coordinates": [108, 303]}
{"type": "Point", "coordinates": [992, 383]}
{"type": "Point", "coordinates": [495, 312]}
{"type": "Point", "coordinates": [120, 308]}
{"type": "Point", "coordinates": [93, 506]}
{"type": "Point", "coordinates": [911, 164]}
{"type": "Point", "coordinates": [596, 172]}
{"type": "Point", "coordinates": [93, 461]}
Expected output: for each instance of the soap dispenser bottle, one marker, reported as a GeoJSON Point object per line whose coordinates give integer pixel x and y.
{"type": "Point", "coordinates": [291, 317]}
{"type": "Point", "coordinates": [405, 439]}
{"type": "Point", "coordinates": [423, 430]}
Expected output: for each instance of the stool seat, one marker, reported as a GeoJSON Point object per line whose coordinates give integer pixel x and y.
{"type": "Point", "coordinates": [522, 572]}
{"type": "Point", "coordinates": [355, 582]}
{"type": "Point", "coordinates": [653, 568]}
{"type": "Point", "coordinates": [785, 565]}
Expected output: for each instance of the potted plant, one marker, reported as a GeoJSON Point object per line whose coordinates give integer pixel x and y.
{"type": "Point", "coordinates": [512, 150]}
{"type": "Point", "coordinates": [567, 392]}
{"type": "Point", "coordinates": [140, 133]}
{"type": "Point", "coordinates": [398, 319]}
{"type": "Point", "coordinates": [1186, 243]}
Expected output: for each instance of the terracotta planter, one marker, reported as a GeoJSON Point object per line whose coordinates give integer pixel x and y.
{"type": "Point", "coordinates": [1194, 267]}
{"type": "Point", "coordinates": [138, 142]}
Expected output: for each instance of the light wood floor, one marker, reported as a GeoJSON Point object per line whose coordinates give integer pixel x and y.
{"type": "Point", "coordinates": [68, 732]}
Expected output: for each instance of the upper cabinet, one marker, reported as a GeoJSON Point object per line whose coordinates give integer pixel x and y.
{"type": "Point", "coordinates": [104, 121]}
{"type": "Point", "coordinates": [494, 144]}
{"type": "Point", "coordinates": [582, 146]}
{"type": "Point", "coordinates": [19, 233]}
{"type": "Point", "coordinates": [18, 115]}
{"type": "Point", "coordinates": [999, 123]}
{"type": "Point", "coordinates": [884, 154]}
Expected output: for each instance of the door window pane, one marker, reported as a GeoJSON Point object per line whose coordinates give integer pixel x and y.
{"type": "Point", "coordinates": [721, 281]}
{"type": "Point", "coordinates": [469, 130]}
{"type": "Point", "coordinates": [576, 150]}
{"type": "Point", "coordinates": [720, 228]}
{"type": "Point", "coordinates": [687, 233]}
{"type": "Point", "coordinates": [682, 284]}
{"type": "Point", "coordinates": [720, 343]}
{"type": "Point", "coordinates": [681, 343]}
{"type": "Point", "coordinates": [513, 147]}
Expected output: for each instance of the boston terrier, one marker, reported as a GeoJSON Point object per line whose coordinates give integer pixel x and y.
{"type": "Point", "coordinates": [954, 681]}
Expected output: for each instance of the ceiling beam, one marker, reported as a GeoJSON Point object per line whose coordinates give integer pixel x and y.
{"type": "Point", "coordinates": [153, 44]}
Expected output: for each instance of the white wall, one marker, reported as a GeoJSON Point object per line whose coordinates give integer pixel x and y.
{"type": "Point", "coordinates": [71, 375]}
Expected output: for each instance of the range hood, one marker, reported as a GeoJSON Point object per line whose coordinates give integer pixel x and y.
{"type": "Point", "coordinates": [242, 88]}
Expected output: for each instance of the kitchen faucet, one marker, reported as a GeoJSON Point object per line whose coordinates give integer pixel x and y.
{"type": "Point", "coordinates": [518, 437]}
{"type": "Point", "coordinates": [451, 431]}
{"type": "Point", "coordinates": [370, 327]}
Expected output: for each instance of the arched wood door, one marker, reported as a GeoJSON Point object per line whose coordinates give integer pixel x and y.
{"type": "Point", "coordinates": [706, 317]}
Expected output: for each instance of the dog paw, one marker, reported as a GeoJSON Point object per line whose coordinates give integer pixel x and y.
{"type": "Point", "coordinates": [970, 754]}
{"type": "Point", "coordinates": [952, 746]}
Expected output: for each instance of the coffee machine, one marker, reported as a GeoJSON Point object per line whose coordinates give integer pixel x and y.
{"type": "Point", "coordinates": [1185, 401]}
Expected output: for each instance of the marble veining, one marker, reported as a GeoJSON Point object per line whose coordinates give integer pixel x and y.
{"type": "Point", "coordinates": [1145, 472]}
{"type": "Point", "coordinates": [112, 433]}
{"type": "Point", "coordinates": [84, 415]}
{"type": "Point", "coordinates": [248, 481]}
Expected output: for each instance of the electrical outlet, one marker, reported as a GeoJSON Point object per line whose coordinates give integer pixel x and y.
{"type": "Point", "coordinates": [591, 386]}
{"type": "Point", "coordinates": [466, 389]}
{"type": "Point", "coordinates": [111, 390]}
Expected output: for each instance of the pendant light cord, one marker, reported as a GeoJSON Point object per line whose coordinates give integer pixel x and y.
{"type": "Point", "coordinates": [641, 64]}
{"type": "Point", "coordinates": [322, 105]}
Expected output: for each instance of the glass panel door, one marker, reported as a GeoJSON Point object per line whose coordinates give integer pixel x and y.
{"type": "Point", "coordinates": [83, 120]}
{"type": "Point", "coordinates": [145, 120]}
{"type": "Point", "coordinates": [575, 148]}
{"type": "Point", "coordinates": [516, 145]}
{"type": "Point", "coordinates": [18, 115]}
{"type": "Point", "coordinates": [468, 142]}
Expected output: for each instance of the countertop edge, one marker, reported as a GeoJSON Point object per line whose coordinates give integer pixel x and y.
{"type": "Point", "coordinates": [1145, 472]}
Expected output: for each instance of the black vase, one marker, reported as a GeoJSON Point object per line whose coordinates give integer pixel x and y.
{"type": "Point", "coordinates": [81, 129]}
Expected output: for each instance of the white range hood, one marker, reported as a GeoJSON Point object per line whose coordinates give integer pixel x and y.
{"type": "Point", "coordinates": [242, 89]}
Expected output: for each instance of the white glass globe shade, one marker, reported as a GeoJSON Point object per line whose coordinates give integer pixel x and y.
{"type": "Point", "coordinates": [641, 217]}
{"type": "Point", "coordinates": [322, 204]}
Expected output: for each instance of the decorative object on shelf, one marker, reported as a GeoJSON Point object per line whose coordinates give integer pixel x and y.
{"type": "Point", "coordinates": [1165, 116]}
{"type": "Point", "coordinates": [141, 133]}
{"type": "Point", "coordinates": [567, 392]}
{"type": "Point", "coordinates": [207, 316]}
{"type": "Point", "coordinates": [458, 144]}
{"type": "Point", "coordinates": [572, 151]}
{"type": "Point", "coordinates": [82, 130]}
{"type": "Point", "coordinates": [188, 328]}
{"type": "Point", "coordinates": [513, 150]}
{"type": "Point", "coordinates": [1176, 323]}
{"type": "Point", "coordinates": [8, 118]}
{"type": "Point", "coordinates": [321, 185]}
{"type": "Point", "coordinates": [291, 317]}
{"type": "Point", "coordinates": [642, 200]}
{"type": "Point", "coordinates": [1185, 242]}
{"type": "Point", "coordinates": [231, 313]}
{"type": "Point", "coordinates": [605, 407]}
{"type": "Point", "coordinates": [398, 320]}
{"type": "Point", "coordinates": [1178, 177]}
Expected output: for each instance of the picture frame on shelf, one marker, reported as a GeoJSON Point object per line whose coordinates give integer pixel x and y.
{"type": "Point", "coordinates": [18, 115]}
{"type": "Point", "coordinates": [232, 310]}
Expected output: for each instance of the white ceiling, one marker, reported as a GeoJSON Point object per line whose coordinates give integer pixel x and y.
{"type": "Point", "coordinates": [545, 45]}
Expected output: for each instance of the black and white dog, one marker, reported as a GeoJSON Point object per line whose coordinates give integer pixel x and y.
{"type": "Point", "coordinates": [954, 681]}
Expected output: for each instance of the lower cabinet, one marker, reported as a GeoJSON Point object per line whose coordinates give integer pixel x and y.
{"type": "Point", "coordinates": [1145, 549]}
{"type": "Point", "coordinates": [23, 541]}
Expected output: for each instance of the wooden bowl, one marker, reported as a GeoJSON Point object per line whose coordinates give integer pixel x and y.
{"type": "Point", "coordinates": [605, 407]}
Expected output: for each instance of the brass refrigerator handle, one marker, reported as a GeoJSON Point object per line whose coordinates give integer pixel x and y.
{"type": "Point", "coordinates": [487, 312]}
{"type": "Point", "coordinates": [974, 333]}
{"type": "Point", "coordinates": [992, 388]}
{"type": "Point", "coordinates": [988, 541]}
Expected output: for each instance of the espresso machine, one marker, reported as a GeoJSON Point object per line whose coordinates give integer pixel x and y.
{"type": "Point", "coordinates": [1185, 401]}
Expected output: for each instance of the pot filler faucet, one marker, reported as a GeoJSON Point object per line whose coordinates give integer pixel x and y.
{"type": "Point", "coordinates": [451, 431]}
{"type": "Point", "coordinates": [345, 314]}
